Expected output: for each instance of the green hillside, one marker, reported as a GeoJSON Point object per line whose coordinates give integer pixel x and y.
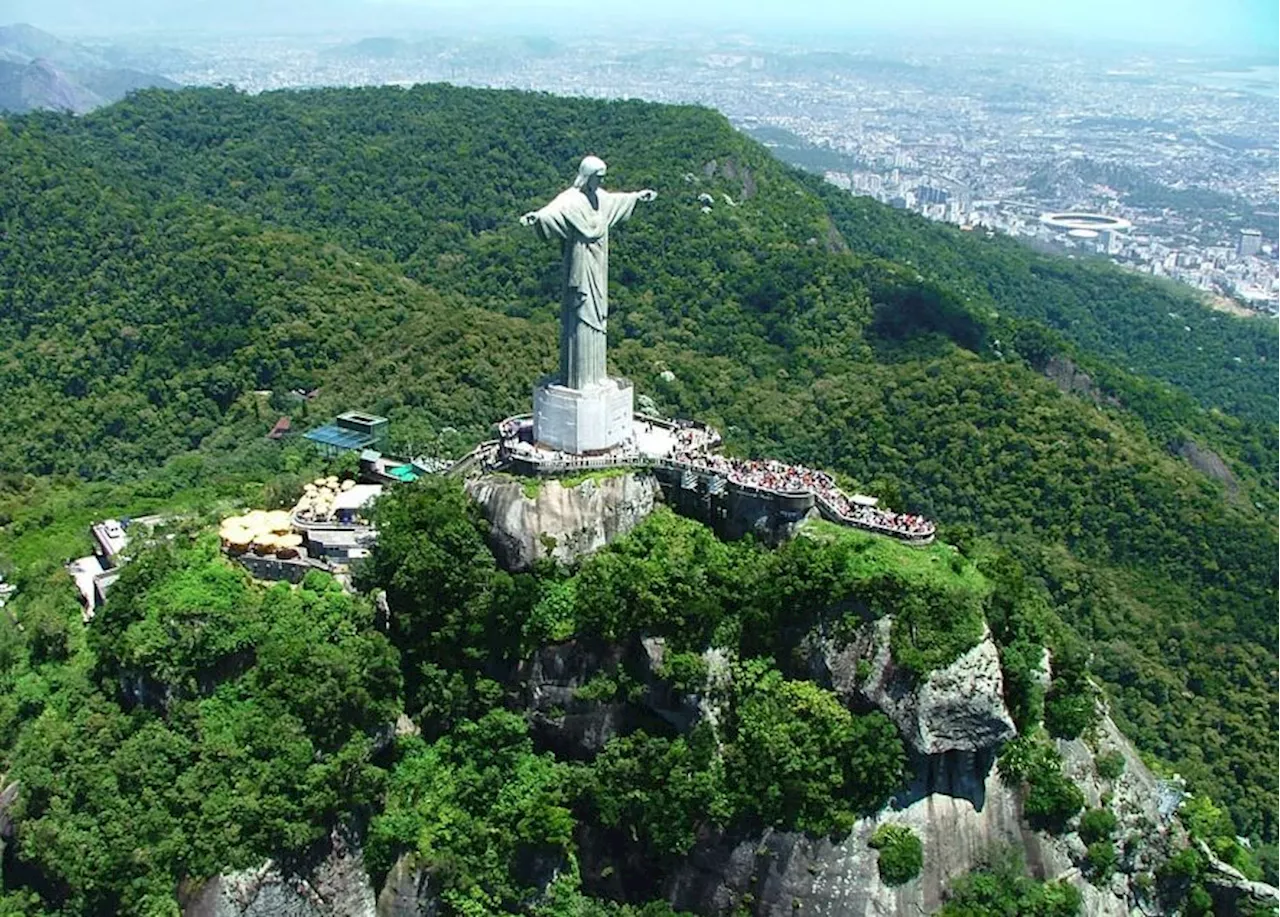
{"type": "Point", "coordinates": [166, 257]}
{"type": "Point", "coordinates": [1148, 327]}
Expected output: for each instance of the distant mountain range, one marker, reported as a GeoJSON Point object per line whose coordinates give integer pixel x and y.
{"type": "Point", "coordinates": [42, 71]}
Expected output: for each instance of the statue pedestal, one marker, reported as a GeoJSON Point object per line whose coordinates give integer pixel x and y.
{"type": "Point", "coordinates": [583, 421]}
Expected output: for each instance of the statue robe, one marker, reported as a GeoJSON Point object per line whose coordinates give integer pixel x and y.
{"type": "Point", "coordinates": [584, 306]}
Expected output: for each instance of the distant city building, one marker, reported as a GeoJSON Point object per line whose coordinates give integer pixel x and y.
{"type": "Point", "coordinates": [1250, 242]}
{"type": "Point", "coordinates": [928, 194]}
{"type": "Point", "coordinates": [840, 180]}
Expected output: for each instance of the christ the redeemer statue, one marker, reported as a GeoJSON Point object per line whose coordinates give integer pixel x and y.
{"type": "Point", "coordinates": [584, 411]}
{"type": "Point", "coordinates": [581, 217]}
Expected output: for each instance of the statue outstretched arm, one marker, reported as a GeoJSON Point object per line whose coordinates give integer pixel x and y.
{"type": "Point", "coordinates": [618, 205]}
{"type": "Point", "coordinates": [551, 222]}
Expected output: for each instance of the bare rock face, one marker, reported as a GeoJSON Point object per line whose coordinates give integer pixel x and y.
{"type": "Point", "coordinates": [407, 891]}
{"type": "Point", "coordinates": [8, 798]}
{"type": "Point", "coordinates": [961, 810]}
{"type": "Point", "coordinates": [957, 708]}
{"type": "Point", "coordinates": [1072, 380]}
{"type": "Point", "coordinates": [334, 885]}
{"type": "Point", "coordinates": [561, 718]}
{"type": "Point", "coordinates": [563, 523]}
{"type": "Point", "coordinates": [1233, 894]}
{"type": "Point", "coordinates": [1208, 462]}
{"type": "Point", "coordinates": [578, 723]}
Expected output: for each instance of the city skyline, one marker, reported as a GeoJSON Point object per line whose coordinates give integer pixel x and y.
{"type": "Point", "coordinates": [1237, 26]}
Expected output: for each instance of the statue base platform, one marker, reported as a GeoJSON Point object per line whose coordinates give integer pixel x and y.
{"type": "Point", "coordinates": [583, 421]}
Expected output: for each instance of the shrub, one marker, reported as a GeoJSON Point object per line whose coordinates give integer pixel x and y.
{"type": "Point", "coordinates": [1051, 797]}
{"type": "Point", "coordinates": [901, 853]}
{"type": "Point", "coordinates": [1199, 902]}
{"type": "Point", "coordinates": [1109, 765]}
{"type": "Point", "coordinates": [798, 758]}
{"type": "Point", "coordinates": [932, 626]}
{"type": "Point", "coordinates": [1002, 887]}
{"type": "Point", "coordinates": [1097, 825]}
{"type": "Point", "coordinates": [1102, 860]}
{"type": "Point", "coordinates": [602, 686]}
{"type": "Point", "coordinates": [685, 672]}
{"type": "Point", "coordinates": [660, 791]}
{"type": "Point", "coordinates": [1020, 664]}
{"type": "Point", "coordinates": [1068, 713]}
{"type": "Point", "coordinates": [1052, 800]}
{"type": "Point", "coordinates": [1070, 707]}
{"type": "Point", "coordinates": [1211, 824]}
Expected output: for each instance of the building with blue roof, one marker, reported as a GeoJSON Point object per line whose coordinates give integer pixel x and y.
{"type": "Point", "coordinates": [349, 431]}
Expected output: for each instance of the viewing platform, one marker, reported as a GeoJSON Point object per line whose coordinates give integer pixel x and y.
{"type": "Point", "coordinates": [684, 455]}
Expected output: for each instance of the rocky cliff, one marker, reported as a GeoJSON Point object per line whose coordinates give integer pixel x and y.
{"type": "Point", "coordinates": [331, 882]}
{"type": "Point", "coordinates": [953, 722]}
{"type": "Point", "coordinates": [956, 803]}
{"type": "Point", "coordinates": [563, 523]}
{"type": "Point", "coordinates": [957, 708]}
{"type": "Point", "coordinates": [962, 811]}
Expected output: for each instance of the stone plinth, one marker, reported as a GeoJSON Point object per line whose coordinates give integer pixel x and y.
{"type": "Point", "coordinates": [583, 421]}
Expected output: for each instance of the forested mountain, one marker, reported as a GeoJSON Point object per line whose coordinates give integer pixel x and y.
{"type": "Point", "coordinates": [40, 71]}
{"type": "Point", "coordinates": [166, 257]}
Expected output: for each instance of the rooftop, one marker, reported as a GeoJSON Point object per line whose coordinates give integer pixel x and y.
{"type": "Point", "coordinates": [361, 417]}
{"type": "Point", "coordinates": [339, 437]}
{"type": "Point", "coordinates": [357, 496]}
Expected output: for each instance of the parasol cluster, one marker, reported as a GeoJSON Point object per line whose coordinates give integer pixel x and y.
{"type": "Point", "coordinates": [317, 503]}
{"type": "Point", "coordinates": [262, 532]}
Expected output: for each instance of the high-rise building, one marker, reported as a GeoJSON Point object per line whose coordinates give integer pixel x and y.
{"type": "Point", "coordinates": [930, 194]}
{"type": "Point", "coordinates": [1250, 242]}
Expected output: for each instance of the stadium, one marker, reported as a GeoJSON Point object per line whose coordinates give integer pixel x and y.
{"type": "Point", "coordinates": [1092, 222]}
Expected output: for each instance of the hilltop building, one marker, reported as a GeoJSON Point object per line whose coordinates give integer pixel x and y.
{"type": "Point", "coordinates": [95, 573]}
{"type": "Point", "coordinates": [353, 430]}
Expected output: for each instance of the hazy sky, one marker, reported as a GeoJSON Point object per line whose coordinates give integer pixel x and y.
{"type": "Point", "coordinates": [1242, 24]}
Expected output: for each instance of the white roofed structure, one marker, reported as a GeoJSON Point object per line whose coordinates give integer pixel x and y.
{"type": "Point", "coordinates": [357, 497]}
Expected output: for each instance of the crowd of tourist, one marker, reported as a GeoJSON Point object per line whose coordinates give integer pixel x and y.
{"type": "Point", "coordinates": [781, 478]}
{"type": "Point", "coordinates": [692, 447]}
{"type": "Point", "coordinates": [908, 524]}
{"type": "Point", "coordinates": [516, 442]}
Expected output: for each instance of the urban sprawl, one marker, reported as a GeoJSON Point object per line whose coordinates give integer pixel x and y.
{"type": "Point", "coordinates": [1181, 149]}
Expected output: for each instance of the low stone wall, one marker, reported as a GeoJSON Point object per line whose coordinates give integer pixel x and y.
{"type": "Point", "coordinates": [273, 569]}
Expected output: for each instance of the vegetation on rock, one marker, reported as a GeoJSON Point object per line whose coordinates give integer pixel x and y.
{"type": "Point", "coordinates": [1001, 888]}
{"type": "Point", "coordinates": [901, 853]}
{"type": "Point", "coordinates": [1051, 798]}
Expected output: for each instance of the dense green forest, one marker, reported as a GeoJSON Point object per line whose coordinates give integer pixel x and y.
{"type": "Point", "coordinates": [173, 266]}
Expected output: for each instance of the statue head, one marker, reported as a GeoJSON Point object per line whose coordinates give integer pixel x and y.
{"type": "Point", "coordinates": [590, 171]}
